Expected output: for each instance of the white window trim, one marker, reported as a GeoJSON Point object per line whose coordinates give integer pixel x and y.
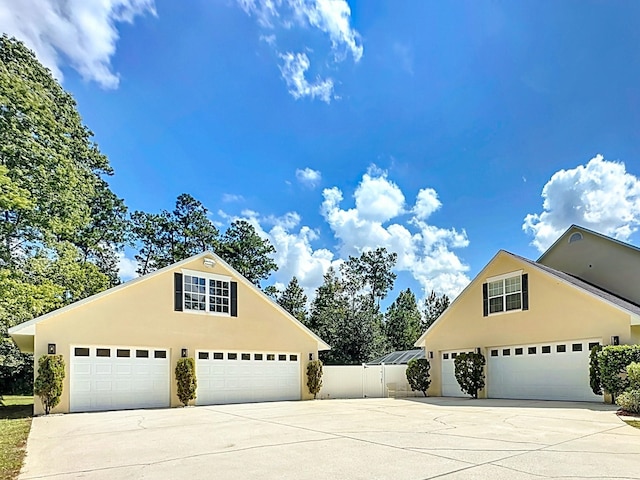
{"type": "Point", "coordinates": [503, 277]}
{"type": "Point", "coordinates": [208, 276]}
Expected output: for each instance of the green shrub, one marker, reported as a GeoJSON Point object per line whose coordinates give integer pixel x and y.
{"type": "Point", "coordinates": [418, 375]}
{"type": "Point", "coordinates": [594, 370]}
{"type": "Point", "coordinates": [48, 385]}
{"type": "Point", "coordinates": [469, 370]}
{"type": "Point", "coordinates": [613, 361]}
{"type": "Point", "coordinates": [314, 377]}
{"type": "Point", "coordinates": [633, 374]}
{"type": "Point", "coordinates": [186, 380]}
{"type": "Point", "coordinates": [629, 401]}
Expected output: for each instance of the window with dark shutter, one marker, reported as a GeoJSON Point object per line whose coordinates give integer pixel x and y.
{"type": "Point", "coordinates": [525, 291]}
{"type": "Point", "coordinates": [234, 299]}
{"type": "Point", "coordinates": [485, 300]}
{"type": "Point", "coordinates": [177, 302]}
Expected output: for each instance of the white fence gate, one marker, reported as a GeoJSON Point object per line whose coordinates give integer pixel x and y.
{"type": "Point", "coordinates": [364, 381]}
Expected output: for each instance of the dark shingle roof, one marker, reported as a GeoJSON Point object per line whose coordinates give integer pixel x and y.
{"type": "Point", "coordinates": [581, 284]}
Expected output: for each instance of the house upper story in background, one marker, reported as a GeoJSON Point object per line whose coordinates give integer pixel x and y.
{"type": "Point", "coordinates": [602, 261]}
{"type": "Point", "coordinates": [535, 322]}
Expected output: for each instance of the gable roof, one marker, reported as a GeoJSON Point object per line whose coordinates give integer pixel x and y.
{"type": "Point", "coordinates": [28, 328]}
{"type": "Point", "coordinates": [592, 232]}
{"type": "Point", "coordinates": [596, 292]}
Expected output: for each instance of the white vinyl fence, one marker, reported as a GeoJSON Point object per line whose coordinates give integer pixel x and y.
{"type": "Point", "coordinates": [364, 381]}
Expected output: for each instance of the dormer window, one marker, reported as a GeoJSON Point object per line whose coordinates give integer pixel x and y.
{"type": "Point", "coordinates": [205, 293]}
{"type": "Point", "coordinates": [505, 293]}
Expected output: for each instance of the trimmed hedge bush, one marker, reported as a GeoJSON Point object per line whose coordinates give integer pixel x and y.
{"type": "Point", "coordinates": [418, 375]}
{"type": "Point", "coordinates": [629, 401]}
{"type": "Point", "coordinates": [314, 377]}
{"type": "Point", "coordinates": [186, 380]}
{"type": "Point", "coordinates": [49, 383]}
{"type": "Point", "coordinates": [613, 361]}
{"type": "Point", "coordinates": [469, 370]}
{"type": "Point", "coordinates": [594, 370]}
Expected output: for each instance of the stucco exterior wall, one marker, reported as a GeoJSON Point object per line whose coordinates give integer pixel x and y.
{"type": "Point", "coordinates": [557, 312]}
{"type": "Point", "coordinates": [143, 315]}
{"type": "Point", "coordinates": [597, 260]}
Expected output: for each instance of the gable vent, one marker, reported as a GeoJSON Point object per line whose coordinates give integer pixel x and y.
{"type": "Point", "coordinates": [575, 237]}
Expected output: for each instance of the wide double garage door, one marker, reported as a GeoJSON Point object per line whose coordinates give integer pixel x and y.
{"type": "Point", "coordinates": [118, 377]}
{"type": "Point", "coordinates": [238, 377]}
{"type": "Point", "coordinates": [546, 371]}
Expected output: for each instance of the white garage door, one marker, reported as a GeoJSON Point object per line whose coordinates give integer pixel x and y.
{"type": "Point", "coordinates": [547, 371]}
{"type": "Point", "coordinates": [118, 378]}
{"type": "Point", "coordinates": [450, 387]}
{"type": "Point", "coordinates": [238, 377]}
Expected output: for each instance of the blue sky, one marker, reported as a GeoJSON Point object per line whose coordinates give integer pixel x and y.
{"type": "Point", "coordinates": [444, 131]}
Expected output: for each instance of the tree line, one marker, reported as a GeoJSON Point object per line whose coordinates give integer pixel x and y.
{"type": "Point", "coordinates": [62, 230]}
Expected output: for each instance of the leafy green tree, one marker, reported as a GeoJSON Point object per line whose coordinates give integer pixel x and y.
{"type": "Point", "coordinates": [247, 252]}
{"type": "Point", "coordinates": [372, 270]}
{"type": "Point", "coordinates": [168, 237]}
{"type": "Point", "coordinates": [294, 301]}
{"type": "Point", "coordinates": [49, 382]}
{"type": "Point", "coordinates": [434, 306]}
{"type": "Point", "coordinates": [60, 224]}
{"type": "Point", "coordinates": [403, 321]}
{"type": "Point", "coordinates": [418, 375]}
{"type": "Point", "coordinates": [469, 372]}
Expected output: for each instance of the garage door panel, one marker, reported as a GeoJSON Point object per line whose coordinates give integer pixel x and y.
{"type": "Point", "coordinates": [250, 377]}
{"type": "Point", "coordinates": [113, 383]}
{"type": "Point", "coordinates": [560, 373]}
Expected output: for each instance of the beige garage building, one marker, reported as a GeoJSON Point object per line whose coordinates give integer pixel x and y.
{"type": "Point", "coordinates": [121, 346]}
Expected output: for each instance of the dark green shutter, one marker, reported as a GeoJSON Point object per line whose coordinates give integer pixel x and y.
{"type": "Point", "coordinates": [177, 299]}
{"type": "Point", "coordinates": [485, 300]}
{"type": "Point", "coordinates": [234, 299]}
{"type": "Point", "coordinates": [525, 291]}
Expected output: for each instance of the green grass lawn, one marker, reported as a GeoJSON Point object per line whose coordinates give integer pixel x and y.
{"type": "Point", "coordinates": [634, 423]}
{"type": "Point", "coordinates": [15, 422]}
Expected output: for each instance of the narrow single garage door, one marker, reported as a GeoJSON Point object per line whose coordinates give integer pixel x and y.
{"type": "Point", "coordinates": [118, 378]}
{"type": "Point", "coordinates": [239, 377]}
{"type": "Point", "coordinates": [450, 386]}
{"type": "Point", "coordinates": [546, 371]}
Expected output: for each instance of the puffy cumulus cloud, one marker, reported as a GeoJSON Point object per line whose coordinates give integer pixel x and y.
{"type": "Point", "coordinates": [82, 33]}
{"type": "Point", "coordinates": [294, 255]}
{"type": "Point", "coordinates": [309, 177]}
{"type": "Point", "coordinates": [126, 267]}
{"type": "Point", "coordinates": [331, 17]}
{"type": "Point", "coordinates": [426, 203]}
{"type": "Point", "coordinates": [377, 198]}
{"type": "Point", "coordinates": [423, 250]}
{"type": "Point", "coordinates": [293, 72]}
{"type": "Point", "coordinates": [600, 195]}
{"type": "Point", "coordinates": [232, 197]}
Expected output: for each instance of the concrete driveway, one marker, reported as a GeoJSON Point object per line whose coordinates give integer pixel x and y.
{"type": "Point", "coordinates": [345, 439]}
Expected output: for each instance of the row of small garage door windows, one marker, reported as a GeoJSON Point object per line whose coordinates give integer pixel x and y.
{"type": "Point", "coordinates": [120, 352]}
{"type": "Point", "coordinates": [247, 356]}
{"type": "Point", "coordinates": [126, 353]}
{"type": "Point", "coordinates": [575, 347]}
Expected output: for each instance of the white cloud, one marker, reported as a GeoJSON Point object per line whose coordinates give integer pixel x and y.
{"type": "Point", "coordinates": [309, 177]}
{"type": "Point", "coordinates": [293, 72]}
{"type": "Point", "coordinates": [423, 250]}
{"type": "Point", "coordinates": [126, 267]}
{"type": "Point", "coordinates": [231, 198]}
{"type": "Point", "coordinates": [81, 33]}
{"type": "Point", "coordinates": [600, 195]}
{"type": "Point", "coordinates": [426, 203]}
{"type": "Point", "coordinates": [331, 17]}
